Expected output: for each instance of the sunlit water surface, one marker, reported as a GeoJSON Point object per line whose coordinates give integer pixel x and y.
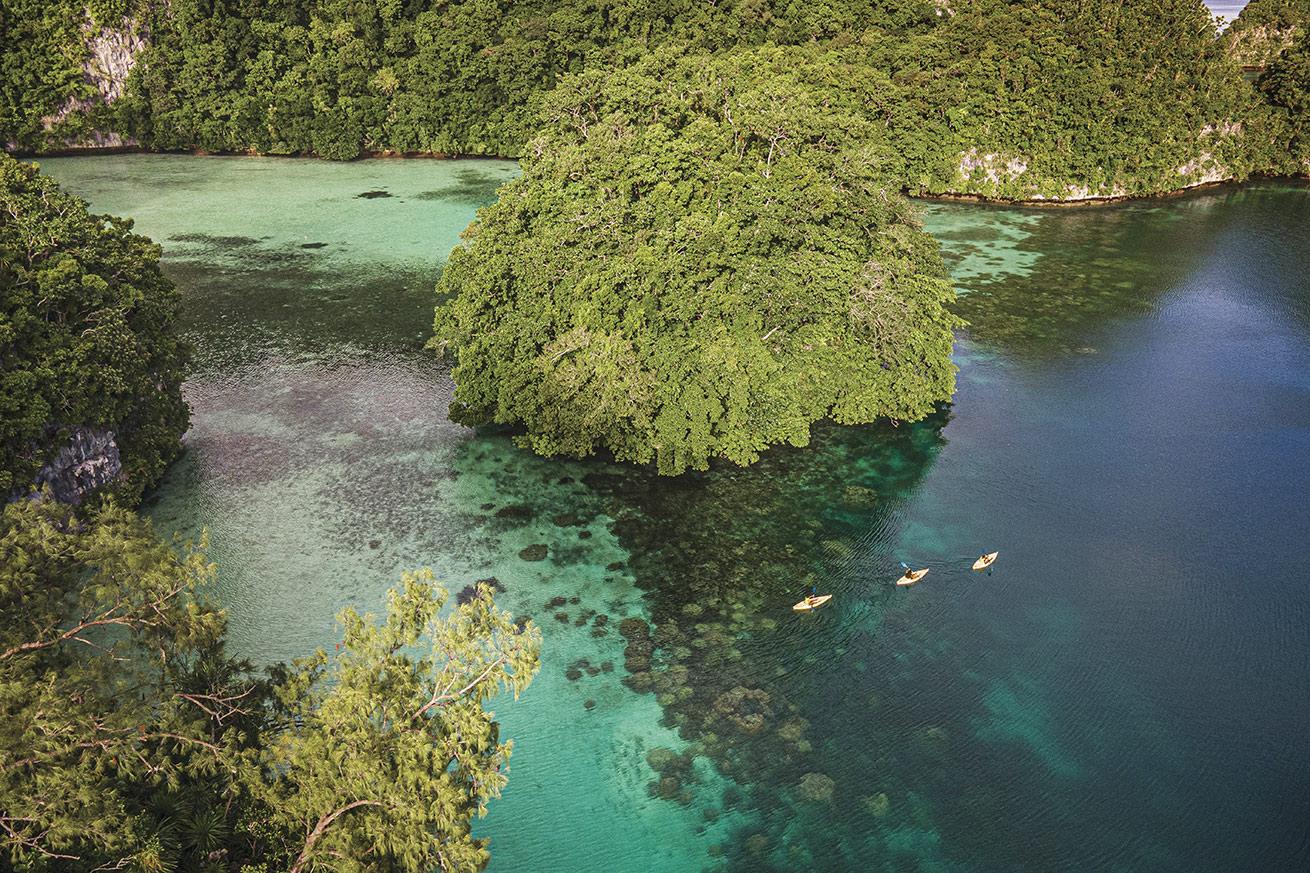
{"type": "Point", "coordinates": [1128, 690]}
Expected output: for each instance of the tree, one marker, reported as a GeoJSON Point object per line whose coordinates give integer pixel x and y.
{"type": "Point", "coordinates": [87, 335]}
{"type": "Point", "coordinates": [104, 651]}
{"type": "Point", "coordinates": [379, 759]}
{"type": "Point", "coordinates": [1286, 87]}
{"type": "Point", "coordinates": [1265, 28]}
{"type": "Point", "coordinates": [1044, 98]}
{"type": "Point", "coordinates": [131, 740]}
{"type": "Point", "coordinates": [704, 255]}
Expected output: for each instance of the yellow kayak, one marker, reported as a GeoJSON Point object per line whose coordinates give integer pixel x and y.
{"type": "Point", "coordinates": [985, 561]}
{"type": "Point", "coordinates": [813, 602]}
{"type": "Point", "coordinates": [912, 576]}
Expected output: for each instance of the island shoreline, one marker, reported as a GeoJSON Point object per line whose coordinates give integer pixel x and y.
{"type": "Point", "coordinates": [943, 197]}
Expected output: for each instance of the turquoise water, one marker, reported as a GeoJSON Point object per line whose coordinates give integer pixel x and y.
{"type": "Point", "coordinates": [1128, 690]}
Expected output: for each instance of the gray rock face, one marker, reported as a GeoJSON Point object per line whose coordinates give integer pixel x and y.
{"type": "Point", "coordinates": [89, 461]}
{"type": "Point", "coordinates": [112, 53]}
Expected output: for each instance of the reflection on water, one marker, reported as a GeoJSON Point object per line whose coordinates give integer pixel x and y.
{"type": "Point", "coordinates": [1127, 689]}
{"type": "Point", "coordinates": [1040, 284]}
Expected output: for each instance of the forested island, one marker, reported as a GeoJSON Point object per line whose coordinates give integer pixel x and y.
{"type": "Point", "coordinates": [1018, 101]}
{"type": "Point", "coordinates": [702, 260]}
{"type": "Point", "coordinates": [710, 252]}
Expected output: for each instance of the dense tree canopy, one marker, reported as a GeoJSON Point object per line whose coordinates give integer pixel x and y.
{"type": "Point", "coordinates": [992, 97]}
{"type": "Point", "coordinates": [1286, 85]}
{"type": "Point", "coordinates": [1054, 99]}
{"type": "Point", "coordinates": [86, 334]}
{"type": "Point", "coordinates": [337, 77]}
{"type": "Point", "coordinates": [41, 56]}
{"type": "Point", "coordinates": [384, 754]}
{"type": "Point", "coordinates": [703, 256]}
{"type": "Point", "coordinates": [99, 619]}
{"type": "Point", "coordinates": [131, 740]}
{"type": "Point", "coordinates": [1264, 28]}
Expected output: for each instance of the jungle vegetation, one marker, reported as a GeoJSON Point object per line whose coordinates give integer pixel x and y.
{"type": "Point", "coordinates": [704, 256]}
{"type": "Point", "coordinates": [1286, 86]}
{"type": "Point", "coordinates": [708, 251]}
{"type": "Point", "coordinates": [87, 335]}
{"type": "Point", "coordinates": [1004, 99]}
{"type": "Point", "coordinates": [45, 51]}
{"type": "Point", "coordinates": [132, 740]}
{"type": "Point", "coordinates": [1052, 99]}
{"type": "Point", "coordinates": [1265, 28]}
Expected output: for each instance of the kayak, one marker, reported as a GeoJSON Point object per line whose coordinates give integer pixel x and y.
{"type": "Point", "coordinates": [912, 576]}
{"type": "Point", "coordinates": [985, 561]}
{"type": "Point", "coordinates": [812, 602]}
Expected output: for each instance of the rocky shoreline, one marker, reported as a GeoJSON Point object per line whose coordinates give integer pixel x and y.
{"type": "Point", "coordinates": [1107, 200]}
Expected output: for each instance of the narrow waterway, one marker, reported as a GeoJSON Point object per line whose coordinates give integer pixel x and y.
{"type": "Point", "coordinates": [1127, 690]}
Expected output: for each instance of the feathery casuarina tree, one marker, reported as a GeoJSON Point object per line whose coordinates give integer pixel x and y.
{"type": "Point", "coordinates": [131, 740]}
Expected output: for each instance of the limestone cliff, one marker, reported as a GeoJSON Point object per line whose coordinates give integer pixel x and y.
{"type": "Point", "coordinates": [89, 460]}
{"type": "Point", "coordinates": [112, 52]}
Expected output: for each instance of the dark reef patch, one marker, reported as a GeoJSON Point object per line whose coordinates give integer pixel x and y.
{"type": "Point", "coordinates": [469, 187]}
{"type": "Point", "coordinates": [720, 556]}
{"type": "Point", "coordinates": [534, 552]}
{"type": "Point", "coordinates": [251, 300]}
{"type": "Point", "coordinates": [215, 242]}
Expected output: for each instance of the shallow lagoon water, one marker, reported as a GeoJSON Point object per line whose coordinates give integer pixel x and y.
{"type": "Point", "coordinates": [1128, 690]}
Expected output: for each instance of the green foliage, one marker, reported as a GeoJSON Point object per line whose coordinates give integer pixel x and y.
{"type": "Point", "coordinates": [48, 96]}
{"type": "Point", "coordinates": [339, 77]}
{"type": "Point", "coordinates": [1279, 14]}
{"type": "Point", "coordinates": [1286, 87]}
{"type": "Point", "coordinates": [1274, 35]}
{"type": "Point", "coordinates": [443, 77]}
{"type": "Point", "coordinates": [704, 256]}
{"type": "Point", "coordinates": [1046, 99]}
{"type": "Point", "coordinates": [1265, 28]}
{"type": "Point", "coordinates": [1016, 100]}
{"type": "Point", "coordinates": [41, 56]}
{"type": "Point", "coordinates": [102, 636]}
{"type": "Point", "coordinates": [130, 740]}
{"type": "Point", "coordinates": [86, 334]}
{"type": "Point", "coordinates": [384, 754]}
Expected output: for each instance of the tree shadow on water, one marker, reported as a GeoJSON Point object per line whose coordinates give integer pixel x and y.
{"type": "Point", "coordinates": [721, 557]}
{"type": "Point", "coordinates": [1081, 269]}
